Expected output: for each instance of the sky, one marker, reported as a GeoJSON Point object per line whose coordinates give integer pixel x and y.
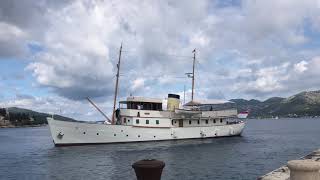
{"type": "Point", "coordinates": [54, 54]}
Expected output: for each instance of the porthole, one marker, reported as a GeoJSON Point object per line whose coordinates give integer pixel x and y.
{"type": "Point", "coordinates": [114, 134]}
{"type": "Point", "coordinates": [121, 130]}
{"type": "Point", "coordinates": [154, 136]}
{"type": "Point", "coordinates": [97, 134]}
{"type": "Point", "coordinates": [127, 135]}
{"type": "Point", "coordinates": [138, 135]}
{"type": "Point", "coordinates": [84, 132]}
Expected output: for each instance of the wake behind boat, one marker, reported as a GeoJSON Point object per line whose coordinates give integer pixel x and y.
{"type": "Point", "coordinates": [144, 119]}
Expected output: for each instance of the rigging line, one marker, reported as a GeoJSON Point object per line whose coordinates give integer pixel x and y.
{"type": "Point", "coordinates": [156, 76]}
{"type": "Point", "coordinates": [163, 54]}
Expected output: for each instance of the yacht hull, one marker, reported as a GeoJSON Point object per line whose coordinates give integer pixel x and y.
{"type": "Point", "coordinates": [79, 133]}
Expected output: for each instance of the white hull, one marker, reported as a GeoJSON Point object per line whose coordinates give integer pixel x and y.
{"type": "Point", "coordinates": [75, 133]}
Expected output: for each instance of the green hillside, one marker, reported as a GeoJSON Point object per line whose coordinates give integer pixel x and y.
{"type": "Point", "coordinates": [302, 104]}
{"type": "Point", "coordinates": [22, 117]}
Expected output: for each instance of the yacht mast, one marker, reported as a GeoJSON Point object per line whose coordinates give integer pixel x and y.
{"type": "Point", "coordinates": [116, 87]}
{"type": "Point", "coordinates": [194, 60]}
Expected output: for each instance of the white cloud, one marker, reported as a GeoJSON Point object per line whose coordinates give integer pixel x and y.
{"type": "Point", "coordinates": [12, 41]}
{"type": "Point", "coordinates": [137, 84]}
{"type": "Point", "coordinates": [301, 66]}
{"type": "Point", "coordinates": [243, 50]}
{"type": "Point", "coordinates": [9, 31]}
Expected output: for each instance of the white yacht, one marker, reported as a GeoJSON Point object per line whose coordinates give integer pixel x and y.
{"type": "Point", "coordinates": [144, 119]}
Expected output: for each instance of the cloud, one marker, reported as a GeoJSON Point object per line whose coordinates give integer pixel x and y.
{"type": "Point", "coordinates": [301, 66]}
{"type": "Point", "coordinates": [11, 38]}
{"type": "Point", "coordinates": [137, 84]}
{"type": "Point", "coordinates": [248, 48]}
{"type": "Point", "coordinates": [24, 96]}
{"type": "Point", "coordinates": [22, 22]}
{"type": "Point", "coordinates": [73, 76]}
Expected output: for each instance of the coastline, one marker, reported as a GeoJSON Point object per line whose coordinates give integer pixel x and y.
{"type": "Point", "coordinates": [24, 126]}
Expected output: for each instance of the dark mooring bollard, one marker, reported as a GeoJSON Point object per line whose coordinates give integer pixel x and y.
{"type": "Point", "coordinates": [148, 169]}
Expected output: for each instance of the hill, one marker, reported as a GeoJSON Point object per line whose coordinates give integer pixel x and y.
{"type": "Point", "coordinates": [303, 104]}
{"type": "Point", "coordinates": [22, 117]}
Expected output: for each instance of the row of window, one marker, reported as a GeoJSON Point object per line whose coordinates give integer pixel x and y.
{"type": "Point", "coordinates": [138, 121]}
{"type": "Point", "coordinates": [207, 121]}
{"type": "Point", "coordinates": [116, 135]}
{"type": "Point", "coordinates": [157, 121]}
{"type": "Point", "coordinates": [198, 122]}
{"type": "Point", "coordinates": [147, 121]}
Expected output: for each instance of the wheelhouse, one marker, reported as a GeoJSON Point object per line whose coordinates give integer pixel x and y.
{"type": "Point", "coordinates": [141, 103]}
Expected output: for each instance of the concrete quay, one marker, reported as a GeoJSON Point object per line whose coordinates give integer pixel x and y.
{"type": "Point", "coordinates": [307, 168]}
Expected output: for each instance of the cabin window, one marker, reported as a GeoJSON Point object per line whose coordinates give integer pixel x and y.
{"type": "Point", "coordinates": [172, 122]}
{"type": "Point", "coordinates": [124, 120]}
{"type": "Point", "coordinates": [214, 121]}
{"type": "Point", "coordinates": [138, 115]}
{"type": "Point", "coordinates": [157, 121]}
{"type": "Point", "coordinates": [221, 120]}
{"type": "Point", "coordinates": [189, 121]}
{"type": "Point", "coordinates": [137, 121]}
{"type": "Point", "coordinates": [198, 121]}
{"type": "Point", "coordinates": [147, 121]}
{"type": "Point", "coordinates": [207, 121]}
{"type": "Point", "coordinates": [128, 120]}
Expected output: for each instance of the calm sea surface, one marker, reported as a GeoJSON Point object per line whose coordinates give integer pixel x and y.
{"type": "Point", "coordinates": [28, 153]}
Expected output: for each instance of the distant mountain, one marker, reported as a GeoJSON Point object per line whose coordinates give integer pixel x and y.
{"type": "Point", "coordinates": [23, 117]}
{"type": "Point", "coordinates": [302, 104]}
{"type": "Point", "coordinates": [299, 105]}
{"type": "Point", "coordinates": [15, 110]}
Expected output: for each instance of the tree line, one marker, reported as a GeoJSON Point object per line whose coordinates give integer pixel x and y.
{"type": "Point", "coordinates": [20, 119]}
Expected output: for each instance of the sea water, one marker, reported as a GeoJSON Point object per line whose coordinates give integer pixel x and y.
{"type": "Point", "coordinates": [28, 153]}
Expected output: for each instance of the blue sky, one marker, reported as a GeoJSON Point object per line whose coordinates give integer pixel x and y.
{"type": "Point", "coordinates": [54, 54]}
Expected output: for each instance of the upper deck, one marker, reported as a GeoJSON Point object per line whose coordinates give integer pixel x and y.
{"type": "Point", "coordinates": [152, 107]}
{"type": "Point", "coordinates": [141, 103]}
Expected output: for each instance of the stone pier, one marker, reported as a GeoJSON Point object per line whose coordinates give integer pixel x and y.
{"type": "Point", "coordinates": [283, 173]}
